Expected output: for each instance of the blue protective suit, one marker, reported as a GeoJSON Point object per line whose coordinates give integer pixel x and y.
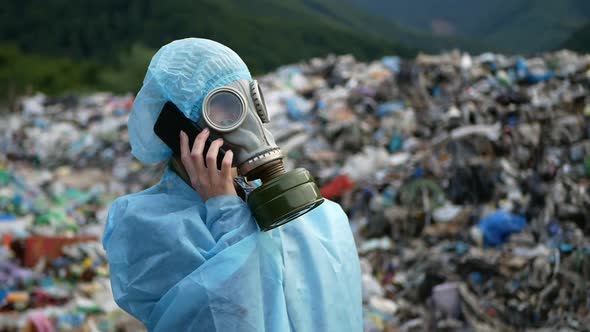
{"type": "Point", "coordinates": [180, 264]}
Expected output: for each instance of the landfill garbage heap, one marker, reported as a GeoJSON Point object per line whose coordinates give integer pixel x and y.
{"type": "Point", "coordinates": [466, 180]}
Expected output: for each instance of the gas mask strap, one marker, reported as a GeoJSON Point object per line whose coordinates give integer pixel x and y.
{"type": "Point", "coordinates": [258, 100]}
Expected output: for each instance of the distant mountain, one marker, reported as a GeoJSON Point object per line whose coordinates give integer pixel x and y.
{"type": "Point", "coordinates": [266, 33]}
{"type": "Point", "coordinates": [359, 18]}
{"type": "Point", "coordinates": [579, 41]}
{"type": "Point", "coordinates": [506, 25]}
{"type": "Point", "coordinates": [63, 45]}
{"type": "Point", "coordinates": [270, 32]}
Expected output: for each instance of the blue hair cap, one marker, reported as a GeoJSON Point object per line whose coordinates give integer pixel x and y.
{"type": "Point", "coordinates": [182, 72]}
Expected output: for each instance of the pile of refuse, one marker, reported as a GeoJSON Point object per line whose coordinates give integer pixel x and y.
{"type": "Point", "coordinates": [62, 161]}
{"type": "Point", "coordinates": [466, 180]}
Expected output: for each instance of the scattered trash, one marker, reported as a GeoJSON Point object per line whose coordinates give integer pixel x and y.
{"type": "Point", "coordinates": [59, 159]}
{"type": "Point", "coordinates": [446, 298]}
{"type": "Point", "coordinates": [466, 180]}
{"type": "Point", "coordinates": [497, 226]}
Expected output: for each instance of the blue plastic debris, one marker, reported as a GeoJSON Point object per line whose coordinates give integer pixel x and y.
{"type": "Point", "coordinates": [418, 173]}
{"type": "Point", "coordinates": [298, 108]}
{"type": "Point", "coordinates": [293, 110]}
{"type": "Point", "coordinates": [392, 63]}
{"type": "Point", "coordinates": [566, 248]}
{"type": "Point", "coordinates": [461, 248]}
{"type": "Point", "coordinates": [7, 217]}
{"type": "Point", "coordinates": [390, 108]}
{"type": "Point", "coordinates": [498, 226]}
{"type": "Point", "coordinates": [524, 74]}
{"type": "Point", "coordinates": [396, 143]}
{"type": "Point", "coordinates": [3, 295]}
{"type": "Point", "coordinates": [553, 228]}
{"type": "Point", "coordinates": [435, 92]}
{"type": "Point", "coordinates": [476, 277]}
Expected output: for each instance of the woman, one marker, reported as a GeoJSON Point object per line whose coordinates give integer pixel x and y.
{"type": "Point", "coordinates": [191, 257]}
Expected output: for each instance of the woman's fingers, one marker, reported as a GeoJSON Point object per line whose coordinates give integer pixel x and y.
{"type": "Point", "coordinates": [207, 181]}
{"type": "Point", "coordinates": [226, 174]}
{"type": "Point", "coordinates": [185, 156]}
{"type": "Point", "coordinates": [212, 159]}
{"type": "Point", "coordinates": [197, 151]}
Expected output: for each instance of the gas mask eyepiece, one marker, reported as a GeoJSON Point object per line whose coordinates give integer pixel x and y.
{"type": "Point", "coordinates": [224, 109]}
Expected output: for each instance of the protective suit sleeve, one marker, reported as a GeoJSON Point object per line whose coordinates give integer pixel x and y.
{"type": "Point", "coordinates": [225, 214]}
{"type": "Point", "coordinates": [154, 240]}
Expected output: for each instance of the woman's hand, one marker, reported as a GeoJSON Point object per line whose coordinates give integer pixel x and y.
{"type": "Point", "coordinates": [207, 181]}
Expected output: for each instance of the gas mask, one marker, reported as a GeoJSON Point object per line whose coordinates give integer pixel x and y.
{"type": "Point", "coordinates": [236, 112]}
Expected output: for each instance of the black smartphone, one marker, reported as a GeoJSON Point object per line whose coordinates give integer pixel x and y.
{"type": "Point", "coordinates": [169, 124]}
